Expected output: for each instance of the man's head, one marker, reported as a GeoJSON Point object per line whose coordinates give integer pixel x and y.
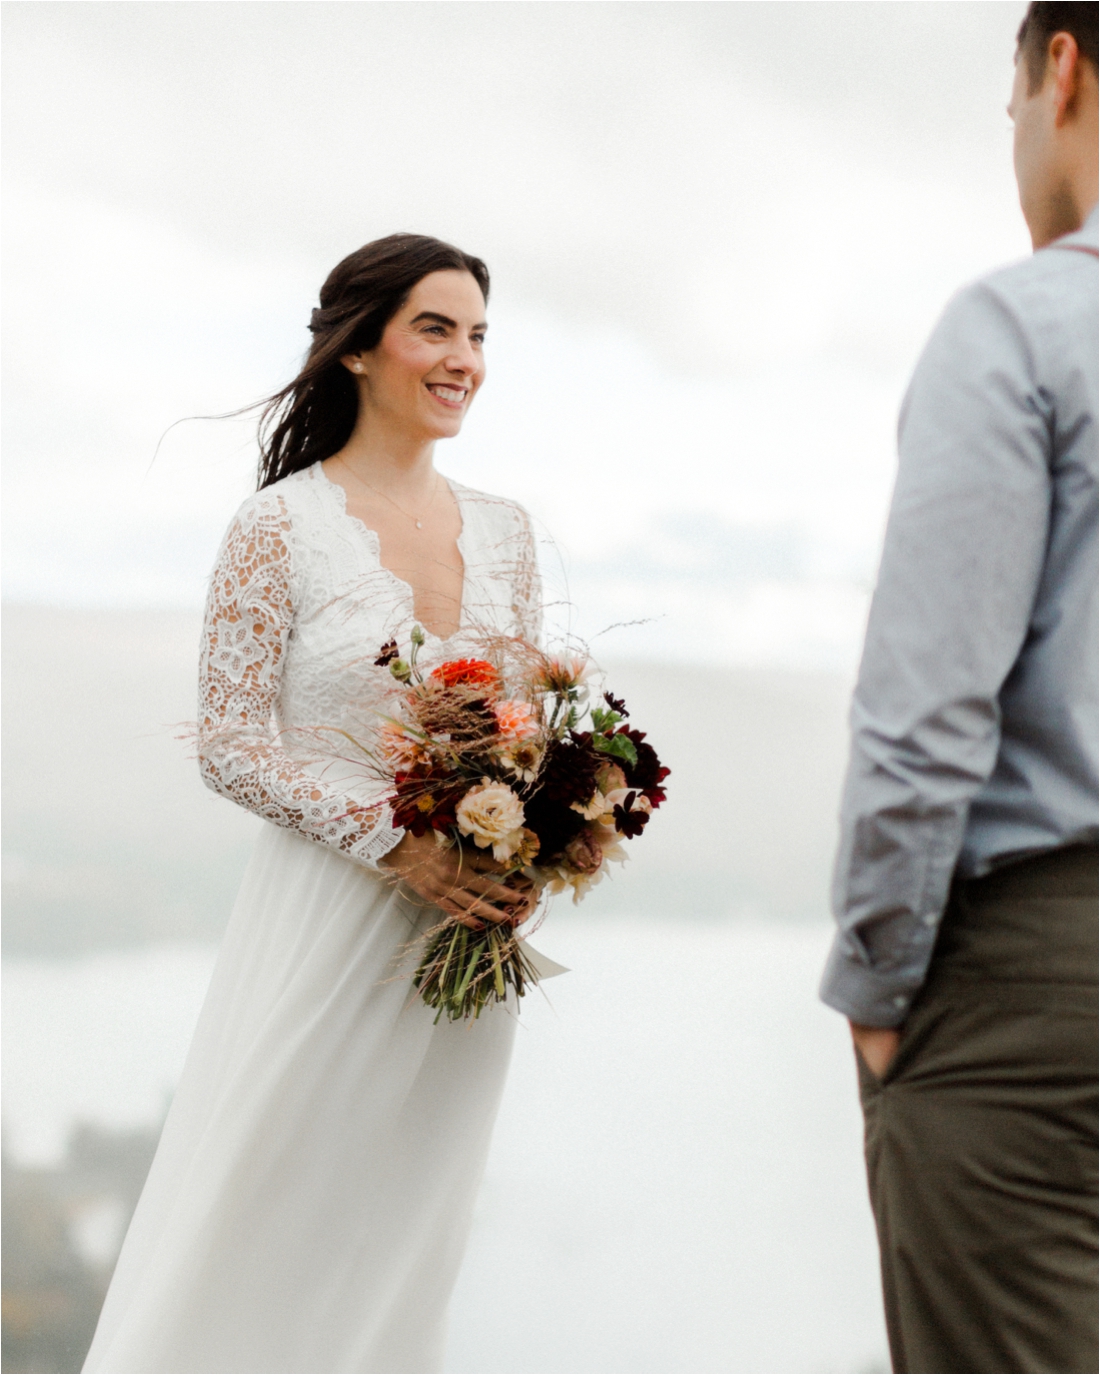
{"type": "Point", "coordinates": [1054, 111]}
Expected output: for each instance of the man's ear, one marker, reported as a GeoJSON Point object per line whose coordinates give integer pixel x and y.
{"type": "Point", "coordinates": [1064, 62]}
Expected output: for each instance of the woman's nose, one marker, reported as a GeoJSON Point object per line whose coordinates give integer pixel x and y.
{"type": "Point", "coordinates": [463, 360]}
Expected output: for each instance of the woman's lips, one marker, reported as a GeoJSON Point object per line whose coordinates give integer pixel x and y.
{"type": "Point", "coordinates": [454, 397]}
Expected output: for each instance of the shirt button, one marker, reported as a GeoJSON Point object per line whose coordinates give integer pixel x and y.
{"type": "Point", "coordinates": [929, 919]}
{"type": "Point", "coordinates": [900, 1001]}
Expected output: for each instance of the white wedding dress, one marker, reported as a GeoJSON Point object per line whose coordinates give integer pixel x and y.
{"type": "Point", "coordinates": [311, 1197]}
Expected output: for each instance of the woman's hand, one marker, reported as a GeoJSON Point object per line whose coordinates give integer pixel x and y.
{"type": "Point", "coordinates": [463, 882]}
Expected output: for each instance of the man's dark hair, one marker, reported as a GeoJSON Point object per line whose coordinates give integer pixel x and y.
{"type": "Point", "coordinates": [1045, 18]}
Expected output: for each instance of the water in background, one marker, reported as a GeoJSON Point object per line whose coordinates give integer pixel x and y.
{"type": "Point", "coordinates": [675, 1181]}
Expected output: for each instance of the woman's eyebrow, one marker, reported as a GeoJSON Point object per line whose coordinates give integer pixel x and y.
{"type": "Point", "coordinates": [442, 319]}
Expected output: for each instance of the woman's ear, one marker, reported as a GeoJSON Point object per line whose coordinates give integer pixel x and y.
{"type": "Point", "coordinates": [353, 362]}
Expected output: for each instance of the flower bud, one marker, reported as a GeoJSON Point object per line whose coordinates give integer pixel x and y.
{"type": "Point", "coordinates": [400, 670]}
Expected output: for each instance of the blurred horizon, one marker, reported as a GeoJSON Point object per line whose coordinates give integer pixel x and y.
{"type": "Point", "coordinates": [159, 857]}
{"type": "Point", "coordinates": [719, 234]}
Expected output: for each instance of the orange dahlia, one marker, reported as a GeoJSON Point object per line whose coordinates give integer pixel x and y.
{"type": "Point", "coordinates": [516, 720]}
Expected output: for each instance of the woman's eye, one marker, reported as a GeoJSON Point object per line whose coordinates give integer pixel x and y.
{"type": "Point", "coordinates": [478, 338]}
{"type": "Point", "coordinates": [435, 329]}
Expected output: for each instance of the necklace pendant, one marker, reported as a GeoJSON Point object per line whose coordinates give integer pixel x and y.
{"type": "Point", "coordinates": [419, 526]}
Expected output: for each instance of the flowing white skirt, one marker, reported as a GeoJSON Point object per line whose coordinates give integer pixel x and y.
{"type": "Point", "coordinates": [313, 1189]}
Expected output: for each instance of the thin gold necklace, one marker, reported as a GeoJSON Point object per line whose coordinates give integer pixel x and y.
{"type": "Point", "coordinates": [378, 492]}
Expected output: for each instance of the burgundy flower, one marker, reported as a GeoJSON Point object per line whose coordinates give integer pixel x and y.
{"type": "Point", "coordinates": [569, 769]}
{"type": "Point", "coordinates": [648, 773]}
{"type": "Point", "coordinates": [425, 801]}
{"type": "Point", "coordinates": [553, 822]}
{"type": "Point", "coordinates": [629, 823]}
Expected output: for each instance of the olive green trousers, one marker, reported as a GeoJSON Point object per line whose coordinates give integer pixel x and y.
{"type": "Point", "coordinates": [981, 1138]}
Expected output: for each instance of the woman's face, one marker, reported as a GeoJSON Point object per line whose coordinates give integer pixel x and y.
{"type": "Point", "coordinates": [422, 375]}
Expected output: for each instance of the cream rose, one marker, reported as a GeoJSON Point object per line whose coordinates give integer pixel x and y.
{"type": "Point", "coordinates": [492, 815]}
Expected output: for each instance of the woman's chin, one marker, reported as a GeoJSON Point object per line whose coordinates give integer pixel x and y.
{"type": "Point", "coordinates": [445, 426]}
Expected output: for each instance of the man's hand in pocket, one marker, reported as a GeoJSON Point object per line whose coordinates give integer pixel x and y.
{"type": "Point", "coordinates": [877, 1044]}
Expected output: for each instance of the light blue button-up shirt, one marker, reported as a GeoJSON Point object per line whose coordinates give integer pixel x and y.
{"type": "Point", "coordinates": [974, 719]}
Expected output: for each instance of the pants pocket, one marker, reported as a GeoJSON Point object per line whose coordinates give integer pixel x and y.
{"type": "Point", "coordinates": [870, 1085]}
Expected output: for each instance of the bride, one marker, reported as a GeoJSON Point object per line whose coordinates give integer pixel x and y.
{"type": "Point", "coordinates": [311, 1197]}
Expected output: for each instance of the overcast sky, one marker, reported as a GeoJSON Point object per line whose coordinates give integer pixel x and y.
{"type": "Point", "coordinates": [718, 234]}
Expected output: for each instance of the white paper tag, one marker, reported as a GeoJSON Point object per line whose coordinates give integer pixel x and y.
{"type": "Point", "coordinates": [543, 965]}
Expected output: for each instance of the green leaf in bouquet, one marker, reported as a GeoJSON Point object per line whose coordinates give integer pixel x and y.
{"type": "Point", "coordinates": [618, 746]}
{"type": "Point", "coordinates": [605, 719]}
{"type": "Point", "coordinates": [498, 972]}
{"type": "Point", "coordinates": [460, 991]}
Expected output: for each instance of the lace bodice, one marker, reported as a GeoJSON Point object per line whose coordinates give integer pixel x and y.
{"type": "Point", "coordinates": [299, 607]}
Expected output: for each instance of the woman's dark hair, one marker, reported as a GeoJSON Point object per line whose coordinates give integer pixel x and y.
{"type": "Point", "coordinates": [1045, 18]}
{"type": "Point", "coordinates": [312, 417]}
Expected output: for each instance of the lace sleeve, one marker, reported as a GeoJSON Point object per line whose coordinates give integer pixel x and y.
{"type": "Point", "coordinates": [527, 584]}
{"type": "Point", "coordinates": [249, 613]}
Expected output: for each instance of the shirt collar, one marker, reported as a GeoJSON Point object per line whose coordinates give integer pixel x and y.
{"type": "Point", "coordinates": [1086, 236]}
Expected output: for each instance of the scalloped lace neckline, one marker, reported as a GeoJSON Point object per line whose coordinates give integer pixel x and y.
{"type": "Point", "coordinates": [340, 497]}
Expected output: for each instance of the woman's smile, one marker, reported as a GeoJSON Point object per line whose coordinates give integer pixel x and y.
{"type": "Point", "coordinates": [454, 398]}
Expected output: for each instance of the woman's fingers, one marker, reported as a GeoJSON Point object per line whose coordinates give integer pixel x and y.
{"type": "Point", "coordinates": [473, 888]}
{"type": "Point", "coordinates": [477, 907]}
{"type": "Point", "coordinates": [476, 904]}
{"type": "Point", "coordinates": [467, 906]}
{"type": "Point", "coordinates": [487, 886]}
{"type": "Point", "coordinates": [453, 909]}
{"type": "Point", "coordinates": [494, 893]}
{"type": "Point", "coordinates": [473, 909]}
{"type": "Point", "coordinates": [481, 862]}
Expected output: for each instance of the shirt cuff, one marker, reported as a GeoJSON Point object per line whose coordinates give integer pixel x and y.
{"type": "Point", "coordinates": [865, 995]}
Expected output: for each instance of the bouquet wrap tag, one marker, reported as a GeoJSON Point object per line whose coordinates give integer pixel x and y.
{"type": "Point", "coordinates": [543, 965]}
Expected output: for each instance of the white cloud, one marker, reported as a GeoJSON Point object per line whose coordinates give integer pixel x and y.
{"type": "Point", "coordinates": [719, 235]}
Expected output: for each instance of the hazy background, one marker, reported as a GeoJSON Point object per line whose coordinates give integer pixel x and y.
{"type": "Point", "coordinates": [718, 235]}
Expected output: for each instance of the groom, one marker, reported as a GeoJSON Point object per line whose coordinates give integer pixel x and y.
{"type": "Point", "coordinates": [966, 882]}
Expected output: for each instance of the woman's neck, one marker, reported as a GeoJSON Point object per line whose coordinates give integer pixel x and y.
{"type": "Point", "coordinates": [389, 462]}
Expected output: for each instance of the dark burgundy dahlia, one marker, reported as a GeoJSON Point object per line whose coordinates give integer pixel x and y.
{"type": "Point", "coordinates": [555, 824]}
{"type": "Point", "coordinates": [569, 769]}
{"type": "Point", "coordinates": [648, 773]}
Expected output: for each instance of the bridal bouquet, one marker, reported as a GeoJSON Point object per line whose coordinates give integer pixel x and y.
{"type": "Point", "coordinates": [504, 753]}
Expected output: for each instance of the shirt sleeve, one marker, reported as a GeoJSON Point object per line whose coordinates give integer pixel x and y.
{"type": "Point", "coordinates": [960, 570]}
{"type": "Point", "coordinates": [249, 615]}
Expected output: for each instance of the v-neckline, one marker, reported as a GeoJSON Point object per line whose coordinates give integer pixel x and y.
{"type": "Point", "coordinates": [340, 496]}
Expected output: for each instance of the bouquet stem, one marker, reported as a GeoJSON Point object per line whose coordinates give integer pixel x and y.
{"type": "Point", "coordinates": [462, 970]}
